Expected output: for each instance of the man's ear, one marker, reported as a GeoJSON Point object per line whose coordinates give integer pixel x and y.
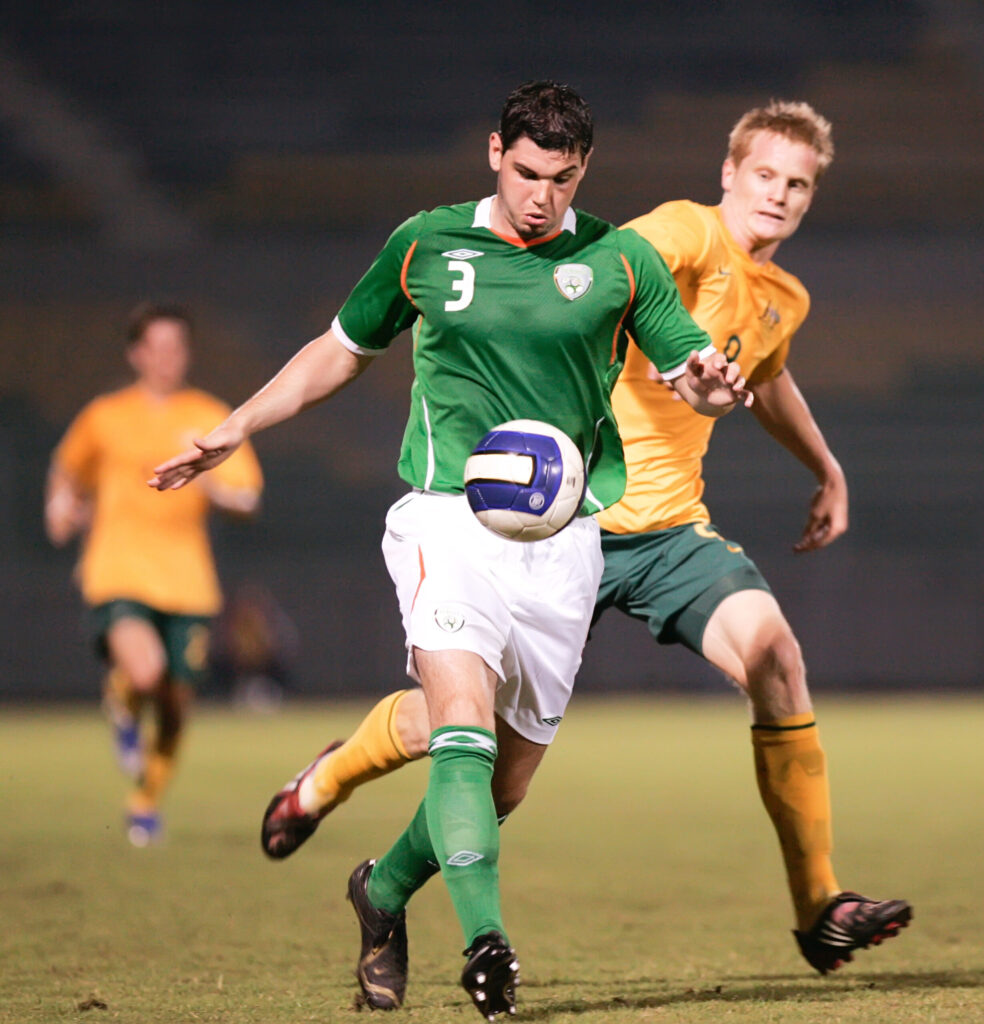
{"type": "Point", "coordinates": [495, 151]}
{"type": "Point", "coordinates": [727, 174]}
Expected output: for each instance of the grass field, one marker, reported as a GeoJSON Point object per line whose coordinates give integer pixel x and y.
{"type": "Point", "coordinates": [641, 879]}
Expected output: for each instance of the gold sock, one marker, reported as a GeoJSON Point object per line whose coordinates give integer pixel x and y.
{"type": "Point", "coordinates": [118, 693]}
{"type": "Point", "coordinates": [792, 777]}
{"type": "Point", "coordinates": [373, 750]}
{"type": "Point", "coordinates": [160, 757]}
{"type": "Point", "coordinates": [158, 769]}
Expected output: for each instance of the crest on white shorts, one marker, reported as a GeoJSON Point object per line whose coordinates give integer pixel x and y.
{"type": "Point", "coordinates": [573, 279]}
{"type": "Point", "coordinates": [448, 618]}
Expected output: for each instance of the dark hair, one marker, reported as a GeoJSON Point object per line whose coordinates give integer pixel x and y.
{"type": "Point", "coordinates": [142, 316]}
{"type": "Point", "coordinates": [552, 115]}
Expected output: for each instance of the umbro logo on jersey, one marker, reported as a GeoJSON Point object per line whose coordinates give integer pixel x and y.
{"type": "Point", "coordinates": [556, 720]}
{"type": "Point", "coordinates": [573, 280]}
{"type": "Point", "coordinates": [724, 271]}
{"type": "Point", "coordinates": [462, 254]}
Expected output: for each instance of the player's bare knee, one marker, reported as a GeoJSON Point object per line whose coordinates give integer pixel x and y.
{"type": "Point", "coordinates": [146, 677]}
{"type": "Point", "coordinates": [777, 677]}
{"type": "Point", "coordinates": [413, 723]}
{"type": "Point", "coordinates": [774, 658]}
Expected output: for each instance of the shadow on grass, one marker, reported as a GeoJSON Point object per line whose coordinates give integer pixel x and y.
{"type": "Point", "coordinates": [778, 988]}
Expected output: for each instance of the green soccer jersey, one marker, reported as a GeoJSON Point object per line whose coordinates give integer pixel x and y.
{"type": "Point", "coordinates": [507, 330]}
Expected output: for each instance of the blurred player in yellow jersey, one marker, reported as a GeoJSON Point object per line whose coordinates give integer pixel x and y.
{"type": "Point", "coordinates": [146, 569]}
{"type": "Point", "coordinates": [665, 563]}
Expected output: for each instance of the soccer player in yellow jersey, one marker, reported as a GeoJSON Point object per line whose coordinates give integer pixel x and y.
{"type": "Point", "coordinates": [664, 561]}
{"type": "Point", "coordinates": [668, 566]}
{"type": "Point", "coordinates": [146, 569]}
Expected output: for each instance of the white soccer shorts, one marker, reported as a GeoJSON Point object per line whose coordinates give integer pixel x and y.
{"type": "Point", "coordinates": [523, 607]}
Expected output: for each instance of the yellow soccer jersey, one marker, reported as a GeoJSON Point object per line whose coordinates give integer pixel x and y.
{"type": "Point", "coordinates": [751, 312]}
{"type": "Point", "coordinates": [144, 545]}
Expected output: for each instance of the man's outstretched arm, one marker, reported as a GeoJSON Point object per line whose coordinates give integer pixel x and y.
{"type": "Point", "coordinates": [320, 369]}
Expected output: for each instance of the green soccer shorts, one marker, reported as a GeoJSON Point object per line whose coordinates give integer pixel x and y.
{"type": "Point", "coordinates": [673, 579]}
{"type": "Point", "coordinates": [185, 637]}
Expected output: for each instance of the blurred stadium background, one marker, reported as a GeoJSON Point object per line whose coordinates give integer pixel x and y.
{"type": "Point", "coordinates": [250, 158]}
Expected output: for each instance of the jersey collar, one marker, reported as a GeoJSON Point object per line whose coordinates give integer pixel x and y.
{"type": "Point", "coordinates": [483, 219]}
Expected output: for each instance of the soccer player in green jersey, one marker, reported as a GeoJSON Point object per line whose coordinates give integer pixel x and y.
{"type": "Point", "coordinates": [519, 307]}
{"type": "Point", "coordinates": [665, 564]}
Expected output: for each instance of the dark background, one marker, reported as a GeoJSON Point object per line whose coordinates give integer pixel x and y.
{"type": "Point", "coordinates": [250, 158]}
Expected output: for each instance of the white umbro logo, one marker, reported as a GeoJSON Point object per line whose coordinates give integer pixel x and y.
{"type": "Point", "coordinates": [462, 254]}
{"type": "Point", "coordinates": [463, 858]}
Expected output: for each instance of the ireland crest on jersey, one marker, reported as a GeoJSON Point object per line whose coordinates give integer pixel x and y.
{"type": "Point", "coordinates": [573, 280]}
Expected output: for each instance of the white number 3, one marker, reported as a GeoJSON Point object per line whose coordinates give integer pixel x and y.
{"type": "Point", "coordinates": [465, 285]}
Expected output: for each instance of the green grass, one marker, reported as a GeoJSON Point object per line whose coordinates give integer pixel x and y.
{"type": "Point", "coordinates": [641, 879]}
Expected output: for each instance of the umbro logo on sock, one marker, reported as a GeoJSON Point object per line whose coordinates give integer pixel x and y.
{"type": "Point", "coordinates": [463, 858]}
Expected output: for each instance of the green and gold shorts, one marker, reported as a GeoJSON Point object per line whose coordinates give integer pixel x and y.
{"type": "Point", "coordinates": [185, 637]}
{"type": "Point", "coordinates": [673, 579]}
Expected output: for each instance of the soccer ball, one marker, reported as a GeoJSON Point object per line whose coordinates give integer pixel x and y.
{"type": "Point", "coordinates": [525, 480]}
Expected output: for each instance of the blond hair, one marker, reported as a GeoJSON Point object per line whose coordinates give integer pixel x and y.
{"type": "Point", "coordinates": [796, 121]}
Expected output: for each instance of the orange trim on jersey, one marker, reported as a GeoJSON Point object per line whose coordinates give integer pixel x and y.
{"type": "Point", "coordinates": [423, 574]}
{"type": "Point", "coordinates": [403, 273]}
{"type": "Point", "coordinates": [625, 313]}
{"type": "Point", "coordinates": [515, 240]}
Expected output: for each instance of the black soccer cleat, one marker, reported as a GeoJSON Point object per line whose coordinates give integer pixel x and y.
{"type": "Point", "coordinates": [491, 975]}
{"type": "Point", "coordinates": [382, 967]}
{"type": "Point", "coordinates": [285, 825]}
{"type": "Point", "coordinates": [841, 929]}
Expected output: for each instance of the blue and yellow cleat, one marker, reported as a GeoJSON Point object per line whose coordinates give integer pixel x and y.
{"type": "Point", "coordinates": [144, 829]}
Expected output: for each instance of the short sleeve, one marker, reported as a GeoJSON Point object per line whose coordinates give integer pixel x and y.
{"type": "Point", "coordinates": [378, 307]}
{"type": "Point", "coordinates": [77, 454]}
{"type": "Point", "coordinates": [773, 364]}
{"type": "Point", "coordinates": [678, 234]}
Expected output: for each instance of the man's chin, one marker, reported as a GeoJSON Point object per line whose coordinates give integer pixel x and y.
{"type": "Point", "coordinates": [530, 232]}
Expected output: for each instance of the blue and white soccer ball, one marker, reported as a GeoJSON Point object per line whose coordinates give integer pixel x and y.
{"type": "Point", "coordinates": [525, 480]}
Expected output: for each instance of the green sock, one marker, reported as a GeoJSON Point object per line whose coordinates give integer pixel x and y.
{"type": "Point", "coordinates": [400, 872]}
{"type": "Point", "coordinates": [455, 827]}
{"type": "Point", "coordinates": [462, 825]}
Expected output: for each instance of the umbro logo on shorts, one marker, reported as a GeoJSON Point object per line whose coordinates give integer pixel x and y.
{"type": "Point", "coordinates": [556, 720]}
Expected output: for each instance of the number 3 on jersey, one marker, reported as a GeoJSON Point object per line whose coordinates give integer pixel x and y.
{"type": "Point", "coordinates": [464, 285]}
